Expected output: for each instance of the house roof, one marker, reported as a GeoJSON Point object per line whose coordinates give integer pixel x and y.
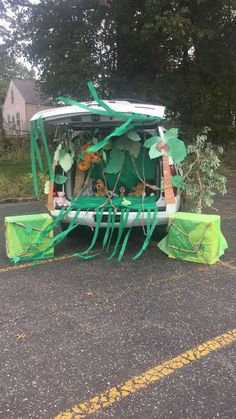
{"type": "Point", "coordinates": [29, 90]}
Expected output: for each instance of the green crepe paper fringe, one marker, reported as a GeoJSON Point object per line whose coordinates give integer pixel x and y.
{"type": "Point", "coordinates": [121, 240]}
{"type": "Point", "coordinates": [37, 133]}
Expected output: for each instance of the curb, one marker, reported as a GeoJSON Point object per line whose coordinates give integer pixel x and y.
{"type": "Point", "coordinates": [15, 200]}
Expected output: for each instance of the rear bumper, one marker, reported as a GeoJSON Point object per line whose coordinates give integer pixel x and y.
{"type": "Point", "coordinates": [88, 218]}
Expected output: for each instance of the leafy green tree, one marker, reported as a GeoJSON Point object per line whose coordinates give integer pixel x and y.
{"type": "Point", "coordinates": [67, 41]}
{"type": "Point", "coordinates": [181, 53]}
{"type": "Point", "coordinates": [199, 81]}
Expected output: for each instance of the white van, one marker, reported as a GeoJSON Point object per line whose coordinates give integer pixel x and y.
{"type": "Point", "coordinates": [79, 120]}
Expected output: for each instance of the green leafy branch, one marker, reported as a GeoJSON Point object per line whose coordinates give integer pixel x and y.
{"type": "Point", "coordinates": [200, 172]}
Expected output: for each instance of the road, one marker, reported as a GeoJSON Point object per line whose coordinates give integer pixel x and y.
{"type": "Point", "coordinates": [75, 332]}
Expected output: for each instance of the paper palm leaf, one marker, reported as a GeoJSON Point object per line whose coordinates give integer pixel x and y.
{"type": "Point", "coordinates": [116, 161]}
{"type": "Point", "coordinates": [168, 145]}
{"type": "Point", "coordinates": [128, 145]}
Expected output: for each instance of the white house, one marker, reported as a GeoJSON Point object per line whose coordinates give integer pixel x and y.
{"type": "Point", "coordinates": [22, 101]}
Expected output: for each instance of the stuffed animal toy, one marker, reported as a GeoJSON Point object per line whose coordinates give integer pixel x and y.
{"type": "Point", "coordinates": [101, 189]}
{"type": "Point", "coordinates": [138, 190]}
{"type": "Point", "coordinates": [61, 200]}
{"type": "Point", "coordinates": [123, 191]}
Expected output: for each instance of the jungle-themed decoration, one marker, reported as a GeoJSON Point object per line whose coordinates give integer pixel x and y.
{"type": "Point", "coordinates": [138, 190]}
{"type": "Point", "coordinates": [165, 146]}
{"type": "Point", "coordinates": [123, 191]}
{"type": "Point", "coordinates": [101, 189]}
{"type": "Point", "coordinates": [42, 245]}
{"type": "Point", "coordinates": [85, 163]}
{"type": "Point", "coordinates": [201, 174]}
{"type": "Point", "coordinates": [111, 176]}
{"type": "Point", "coordinates": [195, 238]}
{"type": "Point", "coordinates": [61, 200]}
{"type": "Point", "coordinates": [28, 237]}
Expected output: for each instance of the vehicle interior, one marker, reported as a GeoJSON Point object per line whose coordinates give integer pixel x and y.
{"type": "Point", "coordinates": [123, 167]}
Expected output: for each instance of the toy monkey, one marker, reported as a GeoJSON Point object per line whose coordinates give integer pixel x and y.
{"type": "Point", "coordinates": [101, 189]}
{"type": "Point", "coordinates": [123, 191]}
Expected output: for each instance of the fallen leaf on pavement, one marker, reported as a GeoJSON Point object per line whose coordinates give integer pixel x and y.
{"type": "Point", "coordinates": [20, 336]}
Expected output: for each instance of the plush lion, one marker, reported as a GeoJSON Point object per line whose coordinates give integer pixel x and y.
{"type": "Point", "coordinates": [101, 189]}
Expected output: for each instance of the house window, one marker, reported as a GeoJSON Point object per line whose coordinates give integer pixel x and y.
{"type": "Point", "coordinates": [8, 119]}
{"type": "Point", "coordinates": [18, 119]}
{"type": "Point", "coordinates": [13, 120]}
{"type": "Point", "coordinates": [12, 96]}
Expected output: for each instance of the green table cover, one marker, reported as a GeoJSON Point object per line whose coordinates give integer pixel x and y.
{"type": "Point", "coordinates": [25, 239]}
{"type": "Point", "coordinates": [194, 237]}
{"type": "Point", "coordinates": [136, 202]}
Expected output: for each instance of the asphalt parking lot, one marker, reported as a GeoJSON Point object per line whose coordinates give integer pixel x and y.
{"type": "Point", "coordinates": [90, 338]}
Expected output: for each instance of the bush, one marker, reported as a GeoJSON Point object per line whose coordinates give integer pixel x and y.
{"type": "Point", "coordinates": [14, 147]}
{"type": "Point", "coordinates": [21, 187]}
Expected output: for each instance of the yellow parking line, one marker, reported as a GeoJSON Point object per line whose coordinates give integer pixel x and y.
{"type": "Point", "coordinates": [117, 393]}
{"type": "Point", "coordinates": [30, 264]}
{"type": "Point", "coordinates": [42, 262]}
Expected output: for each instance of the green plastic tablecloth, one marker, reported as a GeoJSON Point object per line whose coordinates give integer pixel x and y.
{"type": "Point", "coordinates": [25, 239]}
{"type": "Point", "coordinates": [194, 237]}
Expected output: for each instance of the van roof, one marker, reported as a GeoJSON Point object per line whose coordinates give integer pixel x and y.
{"type": "Point", "coordinates": [125, 106]}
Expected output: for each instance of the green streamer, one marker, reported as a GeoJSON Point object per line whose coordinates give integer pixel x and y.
{"type": "Point", "coordinates": [36, 147]}
{"type": "Point", "coordinates": [111, 112]}
{"type": "Point", "coordinates": [97, 99]}
{"type": "Point", "coordinates": [106, 235]}
{"type": "Point", "coordinates": [33, 162]}
{"type": "Point", "coordinates": [43, 136]}
{"type": "Point", "coordinates": [125, 127]}
{"type": "Point", "coordinates": [107, 111]}
{"type": "Point", "coordinates": [125, 241]}
{"type": "Point", "coordinates": [99, 214]}
{"type": "Point", "coordinates": [123, 220]}
{"type": "Point", "coordinates": [150, 231]}
{"type": "Point", "coordinates": [112, 230]}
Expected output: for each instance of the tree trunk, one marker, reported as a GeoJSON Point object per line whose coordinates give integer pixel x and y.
{"type": "Point", "coordinates": [168, 189]}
